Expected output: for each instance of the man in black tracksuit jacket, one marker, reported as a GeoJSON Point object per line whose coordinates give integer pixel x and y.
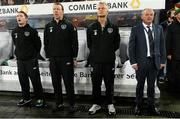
{"type": "Point", "coordinates": [27, 48]}
{"type": "Point", "coordinates": [61, 47]}
{"type": "Point", "coordinates": [103, 40]}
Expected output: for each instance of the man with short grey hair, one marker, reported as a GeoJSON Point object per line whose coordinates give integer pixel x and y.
{"type": "Point", "coordinates": [147, 56]}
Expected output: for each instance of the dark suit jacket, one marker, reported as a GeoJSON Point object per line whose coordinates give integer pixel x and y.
{"type": "Point", "coordinates": [173, 41]}
{"type": "Point", "coordinates": [138, 47]}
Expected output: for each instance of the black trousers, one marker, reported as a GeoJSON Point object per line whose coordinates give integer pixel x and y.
{"type": "Point", "coordinates": [175, 77]}
{"type": "Point", "coordinates": [30, 69]}
{"type": "Point", "coordinates": [168, 69]}
{"type": "Point", "coordinates": [160, 74]}
{"type": "Point", "coordinates": [62, 67]}
{"type": "Point", "coordinates": [105, 71]}
{"type": "Point", "coordinates": [148, 71]}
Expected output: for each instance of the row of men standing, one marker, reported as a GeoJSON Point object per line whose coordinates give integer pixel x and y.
{"type": "Point", "coordinates": [146, 53]}
{"type": "Point", "coordinates": [61, 48]}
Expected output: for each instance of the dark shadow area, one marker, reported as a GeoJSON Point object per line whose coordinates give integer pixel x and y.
{"type": "Point", "coordinates": [169, 105]}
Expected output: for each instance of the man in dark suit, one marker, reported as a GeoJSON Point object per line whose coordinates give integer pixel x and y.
{"type": "Point", "coordinates": [147, 56]}
{"type": "Point", "coordinates": [161, 76]}
{"type": "Point", "coordinates": [173, 51]}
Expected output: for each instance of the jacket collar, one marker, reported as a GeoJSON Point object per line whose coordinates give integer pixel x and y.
{"type": "Point", "coordinates": [54, 21]}
{"type": "Point", "coordinates": [27, 25]}
{"type": "Point", "coordinates": [107, 23]}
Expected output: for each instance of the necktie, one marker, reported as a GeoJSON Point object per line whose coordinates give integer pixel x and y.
{"type": "Point", "coordinates": [151, 43]}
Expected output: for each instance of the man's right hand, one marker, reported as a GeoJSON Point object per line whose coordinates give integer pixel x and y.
{"type": "Point", "coordinates": [75, 62]}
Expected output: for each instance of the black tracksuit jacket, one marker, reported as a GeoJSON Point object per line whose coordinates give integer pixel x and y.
{"type": "Point", "coordinates": [102, 42]}
{"type": "Point", "coordinates": [27, 42]}
{"type": "Point", "coordinates": [60, 39]}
